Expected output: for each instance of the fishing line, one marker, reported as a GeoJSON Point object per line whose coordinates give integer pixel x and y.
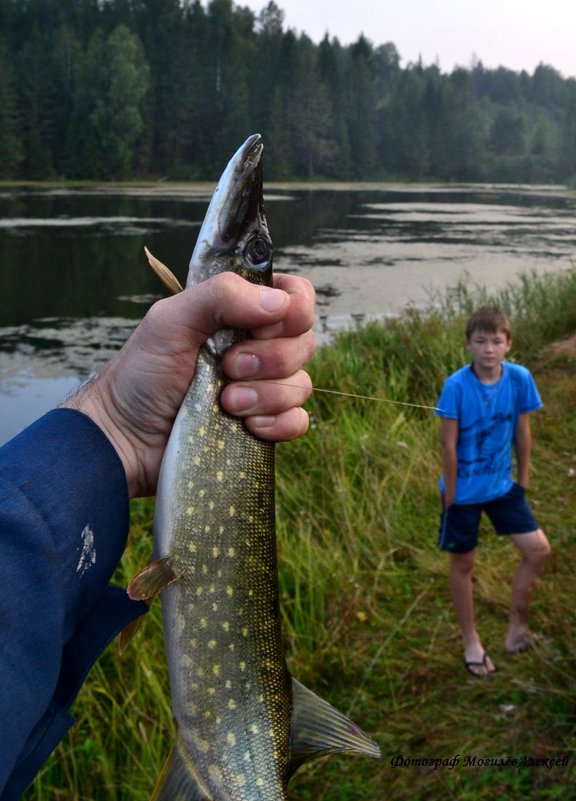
{"type": "Point", "coordinates": [363, 397]}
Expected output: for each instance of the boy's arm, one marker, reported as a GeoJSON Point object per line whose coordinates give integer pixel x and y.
{"type": "Point", "coordinates": [449, 440]}
{"type": "Point", "coordinates": [523, 441]}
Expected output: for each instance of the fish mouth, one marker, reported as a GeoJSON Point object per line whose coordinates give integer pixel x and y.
{"type": "Point", "coordinates": [235, 228]}
{"type": "Point", "coordinates": [243, 191]}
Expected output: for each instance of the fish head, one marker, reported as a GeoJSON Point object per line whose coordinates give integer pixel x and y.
{"type": "Point", "coordinates": [234, 235]}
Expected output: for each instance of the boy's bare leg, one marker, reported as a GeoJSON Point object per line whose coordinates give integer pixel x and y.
{"type": "Point", "coordinates": [461, 568]}
{"type": "Point", "coordinates": [534, 550]}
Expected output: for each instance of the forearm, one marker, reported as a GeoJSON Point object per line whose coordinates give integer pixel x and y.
{"type": "Point", "coordinates": [449, 442]}
{"type": "Point", "coordinates": [450, 473]}
{"type": "Point", "coordinates": [523, 444]}
{"type": "Point", "coordinates": [523, 451]}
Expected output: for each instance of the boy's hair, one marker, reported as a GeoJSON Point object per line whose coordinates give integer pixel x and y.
{"type": "Point", "coordinates": [490, 319]}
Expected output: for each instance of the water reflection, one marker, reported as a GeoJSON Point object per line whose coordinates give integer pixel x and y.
{"type": "Point", "coordinates": [74, 280]}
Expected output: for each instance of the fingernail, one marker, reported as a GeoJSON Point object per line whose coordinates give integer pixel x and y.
{"type": "Point", "coordinates": [246, 365]}
{"type": "Point", "coordinates": [263, 421]}
{"type": "Point", "coordinates": [272, 299]}
{"type": "Point", "coordinates": [241, 398]}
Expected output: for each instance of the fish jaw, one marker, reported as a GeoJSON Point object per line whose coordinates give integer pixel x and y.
{"type": "Point", "coordinates": [234, 235]}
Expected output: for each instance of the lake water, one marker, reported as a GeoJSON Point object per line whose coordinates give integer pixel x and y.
{"type": "Point", "coordinates": [74, 280]}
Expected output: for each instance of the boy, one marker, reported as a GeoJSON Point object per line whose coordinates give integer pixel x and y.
{"type": "Point", "coordinates": [484, 410]}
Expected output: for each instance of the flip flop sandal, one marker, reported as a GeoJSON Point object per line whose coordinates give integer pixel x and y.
{"type": "Point", "coordinates": [483, 664]}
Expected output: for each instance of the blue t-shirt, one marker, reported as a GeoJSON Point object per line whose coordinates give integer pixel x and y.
{"type": "Point", "coordinates": [487, 416]}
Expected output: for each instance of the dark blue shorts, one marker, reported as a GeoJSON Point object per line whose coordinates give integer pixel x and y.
{"type": "Point", "coordinates": [509, 514]}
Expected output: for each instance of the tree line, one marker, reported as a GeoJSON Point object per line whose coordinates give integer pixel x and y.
{"type": "Point", "coordinates": [117, 89]}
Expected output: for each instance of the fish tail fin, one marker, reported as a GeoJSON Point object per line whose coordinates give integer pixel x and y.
{"type": "Point", "coordinates": [179, 780]}
{"type": "Point", "coordinates": [318, 729]}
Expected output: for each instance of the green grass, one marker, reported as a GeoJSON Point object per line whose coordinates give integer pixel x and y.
{"type": "Point", "coordinates": [365, 605]}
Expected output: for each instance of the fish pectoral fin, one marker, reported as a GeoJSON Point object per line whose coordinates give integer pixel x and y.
{"type": "Point", "coordinates": [153, 579]}
{"type": "Point", "coordinates": [128, 632]}
{"type": "Point", "coordinates": [318, 730]}
{"type": "Point", "coordinates": [179, 780]}
{"type": "Point", "coordinates": [164, 273]}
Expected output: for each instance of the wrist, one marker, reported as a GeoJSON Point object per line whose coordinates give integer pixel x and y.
{"type": "Point", "coordinates": [96, 404]}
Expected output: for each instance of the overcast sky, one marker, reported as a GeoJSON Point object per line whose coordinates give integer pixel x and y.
{"type": "Point", "coordinates": [518, 34]}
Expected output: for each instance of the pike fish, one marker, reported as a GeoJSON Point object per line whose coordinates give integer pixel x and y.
{"type": "Point", "coordinates": [243, 724]}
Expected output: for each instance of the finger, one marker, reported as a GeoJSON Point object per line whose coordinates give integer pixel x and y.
{"type": "Point", "coordinates": [246, 399]}
{"type": "Point", "coordinates": [268, 358]}
{"type": "Point", "coordinates": [281, 427]}
{"type": "Point", "coordinates": [225, 300]}
{"type": "Point", "coordinates": [300, 313]}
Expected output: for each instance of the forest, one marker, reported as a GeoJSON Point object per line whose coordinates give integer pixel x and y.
{"type": "Point", "coordinates": [168, 89]}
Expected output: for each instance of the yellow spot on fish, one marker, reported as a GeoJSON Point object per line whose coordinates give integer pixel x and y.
{"type": "Point", "coordinates": [211, 506]}
{"type": "Point", "coordinates": [215, 773]}
{"type": "Point", "coordinates": [201, 431]}
{"type": "Point", "coordinates": [201, 744]}
{"type": "Point", "coordinates": [221, 444]}
{"type": "Point", "coordinates": [255, 729]}
{"type": "Point", "coordinates": [215, 551]}
{"type": "Point", "coordinates": [231, 552]}
{"type": "Point", "coordinates": [208, 713]}
{"type": "Point", "coordinates": [232, 704]}
{"type": "Point", "coordinates": [232, 647]}
{"type": "Point", "coordinates": [194, 642]}
{"type": "Point", "coordinates": [219, 475]}
{"type": "Point", "coordinates": [190, 485]}
{"type": "Point", "coordinates": [203, 623]}
{"type": "Point", "coordinates": [211, 690]}
{"type": "Point", "coordinates": [216, 670]}
{"type": "Point", "coordinates": [215, 607]}
{"type": "Point", "coordinates": [196, 460]}
{"type": "Point", "coordinates": [228, 684]}
{"type": "Point", "coordinates": [244, 631]}
{"type": "Point", "coordinates": [206, 529]}
{"type": "Point", "coordinates": [229, 591]}
{"type": "Point", "coordinates": [259, 782]}
{"type": "Point", "coordinates": [199, 591]}
{"type": "Point", "coordinates": [212, 644]}
{"type": "Point", "coordinates": [192, 547]}
{"type": "Point", "coordinates": [231, 738]}
{"type": "Point", "coordinates": [190, 511]}
{"type": "Point", "coordinates": [242, 666]}
{"type": "Point", "coordinates": [202, 493]}
{"type": "Point", "coordinates": [204, 569]}
{"type": "Point", "coordinates": [241, 474]}
{"type": "Point", "coordinates": [226, 625]}
{"type": "Point", "coordinates": [240, 779]}
{"type": "Point", "coordinates": [232, 511]}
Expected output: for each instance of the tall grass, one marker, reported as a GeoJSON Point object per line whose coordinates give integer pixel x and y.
{"type": "Point", "coordinates": [365, 604]}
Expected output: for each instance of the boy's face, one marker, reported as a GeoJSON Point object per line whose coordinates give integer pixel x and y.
{"type": "Point", "coordinates": [488, 349]}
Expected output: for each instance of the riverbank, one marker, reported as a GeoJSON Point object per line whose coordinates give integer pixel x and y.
{"type": "Point", "coordinates": [364, 593]}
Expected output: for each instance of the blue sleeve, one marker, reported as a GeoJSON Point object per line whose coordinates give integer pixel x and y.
{"type": "Point", "coordinates": [64, 518]}
{"type": "Point", "coordinates": [529, 399]}
{"type": "Point", "coordinates": [449, 401]}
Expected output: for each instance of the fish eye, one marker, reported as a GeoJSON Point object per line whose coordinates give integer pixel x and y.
{"type": "Point", "coordinates": [258, 253]}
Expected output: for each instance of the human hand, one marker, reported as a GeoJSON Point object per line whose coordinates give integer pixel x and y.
{"type": "Point", "coordinates": [136, 397]}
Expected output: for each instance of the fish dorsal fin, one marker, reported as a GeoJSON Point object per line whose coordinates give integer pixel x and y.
{"type": "Point", "coordinates": [318, 730]}
{"type": "Point", "coordinates": [152, 579]}
{"type": "Point", "coordinates": [179, 781]}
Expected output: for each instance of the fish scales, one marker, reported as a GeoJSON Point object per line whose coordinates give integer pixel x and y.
{"type": "Point", "coordinates": [233, 685]}
{"type": "Point", "coordinates": [244, 724]}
